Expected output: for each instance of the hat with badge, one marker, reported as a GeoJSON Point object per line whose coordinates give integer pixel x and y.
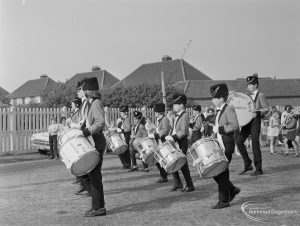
{"type": "Point", "coordinates": [137, 115]}
{"type": "Point", "coordinates": [90, 84]}
{"type": "Point", "coordinates": [219, 90]}
{"type": "Point", "coordinates": [197, 108]}
{"type": "Point", "coordinates": [160, 107]}
{"type": "Point", "coordinates": [123, 108]}
{"type": "Point", "coordinates": [179, 99]}
{"type": "Point", "coordinates": [252, 79]}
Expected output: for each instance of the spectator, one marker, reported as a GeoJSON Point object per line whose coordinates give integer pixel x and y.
{"type": "Point", "coordinates": [290, 127]}
{"type": "Point", "coordinates": [205, 112]}
{"type": "Point", "coordinates": [209, 122]}
{"type": "Point", "coordinates": [273, 130]}
{"type": "Point", "coordinates": [53, 130]}
{"type": "Point", "coordinates": [62, 126]}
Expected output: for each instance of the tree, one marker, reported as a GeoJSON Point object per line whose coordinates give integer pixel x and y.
{"type": "Point", "coordinates": [58, 94]}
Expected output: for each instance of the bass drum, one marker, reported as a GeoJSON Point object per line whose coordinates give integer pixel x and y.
{"type": "Point", "coordinates": [243, 105]}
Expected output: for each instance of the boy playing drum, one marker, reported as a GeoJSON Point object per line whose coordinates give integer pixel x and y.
{"type": "Point", "coordinates": [225, 126]}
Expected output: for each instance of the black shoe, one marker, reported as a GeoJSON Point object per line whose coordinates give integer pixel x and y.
{"type": "Point", "coordinates": [95, 213]}
{"type": "Point", "coordinates": [133, 169]}
{"type": "Point", "coordinates": [257, 173]}
{"type": "Point", "coordinates": [52, 157]}
{"type": "Point", "coordinates": [80, 191]}
{"type": "Point", "coordinates": [89, 210]}
{"type": "Point", "coordinates": [126, 167]}
{"type": "Point", "coordinates": [188, 189]}
{"type": "Point", "coordinates": [234, 193]}
{"type": "Point", "coordinates": [162, 180]}
{"type": "Point", "coordinates": [176, 187]}
{"type": "Point", "coordinates": [249, 168]}
{"type": "Point", "coordinates": [145, 170]}
{"type": "Point", "coordinates": [220, 205]}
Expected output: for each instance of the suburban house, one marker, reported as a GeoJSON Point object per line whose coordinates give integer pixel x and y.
{"type": "Point", "coordinates": [173, 70]}
{"type": "Point", "coordinates": [278, 91]}
{"type": "Point", "coordinates": [105, 79]}
{"type": "Point", "coordinates": [3, 94]}
{"type": "Point", "coordinates": [30, 92]}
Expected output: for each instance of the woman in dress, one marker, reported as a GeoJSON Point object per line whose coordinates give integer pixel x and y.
{"type": "Point", "coordinates": [273, 130]}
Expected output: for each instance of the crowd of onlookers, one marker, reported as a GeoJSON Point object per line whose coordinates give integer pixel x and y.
{"type": "Point", "coordinates": [283, 128]}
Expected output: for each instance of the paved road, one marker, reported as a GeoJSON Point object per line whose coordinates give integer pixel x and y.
{"type": "Point", "coordinates": [41, 192]}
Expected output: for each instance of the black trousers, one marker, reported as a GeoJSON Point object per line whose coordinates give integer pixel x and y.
{"type": "Point", "coordinates": [162, 171]}
{"type": "Point", "coordinates": [253, 129]}
{"type": "Point", "coordinates": [53, 145]}
{"type": "Point", "coordinates": [94, 181]}
{"type": "Point", "coordinates": [125, 157]}
{"type": "Point", "coordinates": [183, 145]}
{"type": "Point", "coordinates": [196, 135]}
{"type": "Point", "coordinates": [225, 187]}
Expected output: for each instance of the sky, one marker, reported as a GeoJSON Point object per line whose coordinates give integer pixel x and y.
{"type": "Point", "coordinates": [225, 39]}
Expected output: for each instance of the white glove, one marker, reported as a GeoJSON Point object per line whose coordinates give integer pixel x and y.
{"type": "Point", "coordinates": [169, 138]}
{"type": "Point", "coordinates": [119, 130]}
{"type": "Point", "coordinates": [254, 114]}
{"type": "Point", "coordinates": [215, 129]}
{"type": "Point", "coordinates": [151, 135]}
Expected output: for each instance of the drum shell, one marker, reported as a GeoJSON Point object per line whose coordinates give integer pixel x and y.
{"type": "Point", "coordinates": [76, 152]}
{"type": "Point", "coordinates": [208, 157]}
{"type": "Point", "coordinates": [170, 157]}
{"type": "Point", "coordinates": [146, 148]}
{"type": "Point", "coordinates": [117, 144]}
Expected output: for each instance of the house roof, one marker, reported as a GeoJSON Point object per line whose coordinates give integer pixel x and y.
{"type": "Point", "coordinates": [272, 88]}
{"type": "Point", "coordinates": [105, 79]}
{"type": "Point", "coordinates": [174, 71]}
{"type": "Point", "coordinates": [31, 88]}
{"type": "Point", "coordinates": [3, 92]}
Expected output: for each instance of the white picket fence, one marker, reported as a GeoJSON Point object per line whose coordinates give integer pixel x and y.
{"type": "Point", "coordinates": [18, 124]}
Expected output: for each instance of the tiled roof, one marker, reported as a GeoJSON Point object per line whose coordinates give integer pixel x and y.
{"type": "Point", "coordinates": [3, 92]}
{"type": "Point", "coordinates": [31, 88]}
{"type": "Point", "coordinates": [174, 71]}
{"type": "Point", "coordinates": [108, 79]}
{"type": "Point", "coordinates": [270, 87]}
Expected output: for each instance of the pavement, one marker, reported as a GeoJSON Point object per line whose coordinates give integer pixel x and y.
{"type": "Point", "coordinates": [35, 190]}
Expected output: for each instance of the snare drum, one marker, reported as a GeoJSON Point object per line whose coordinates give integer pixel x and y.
{"type": "Point", "coordinates": [208, 157]}
{"type": "Point", "coordinates": [117, 144]}
{"type": "Point", "coordinates": [170, 157]}
{"type": "Point", "coordinates": [243, 105]}
{"type": "Point", "coordinates": [77, 153]}
{"type": "Point", "coordinates": [146, 148]}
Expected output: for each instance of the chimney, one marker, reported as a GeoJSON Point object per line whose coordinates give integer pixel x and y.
{"type": "Point", "coordinates": [44, 76]}
{"type": "Point", "coordinates": [96, 68]}
{"type": "Point", "coordinates": [166, 58]}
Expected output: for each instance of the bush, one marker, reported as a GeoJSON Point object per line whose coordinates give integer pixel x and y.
{"type": "Point", "coordinates": [137, 96]}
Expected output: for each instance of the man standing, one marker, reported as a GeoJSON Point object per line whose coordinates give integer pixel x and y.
{"type": "Point", "coordinates": [253, 128]}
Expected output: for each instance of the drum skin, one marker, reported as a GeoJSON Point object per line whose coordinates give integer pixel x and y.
{"type": "Point", "coordinates": [208, 157]}
{"type": "Point", "coordinates": [76, 152]}
{"type": "Point", "coordinates": [243, 105]}
{"type": "Point", "coordinates": [170, 157]}
{"type": "Point", "coordinates": [146, 148]}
